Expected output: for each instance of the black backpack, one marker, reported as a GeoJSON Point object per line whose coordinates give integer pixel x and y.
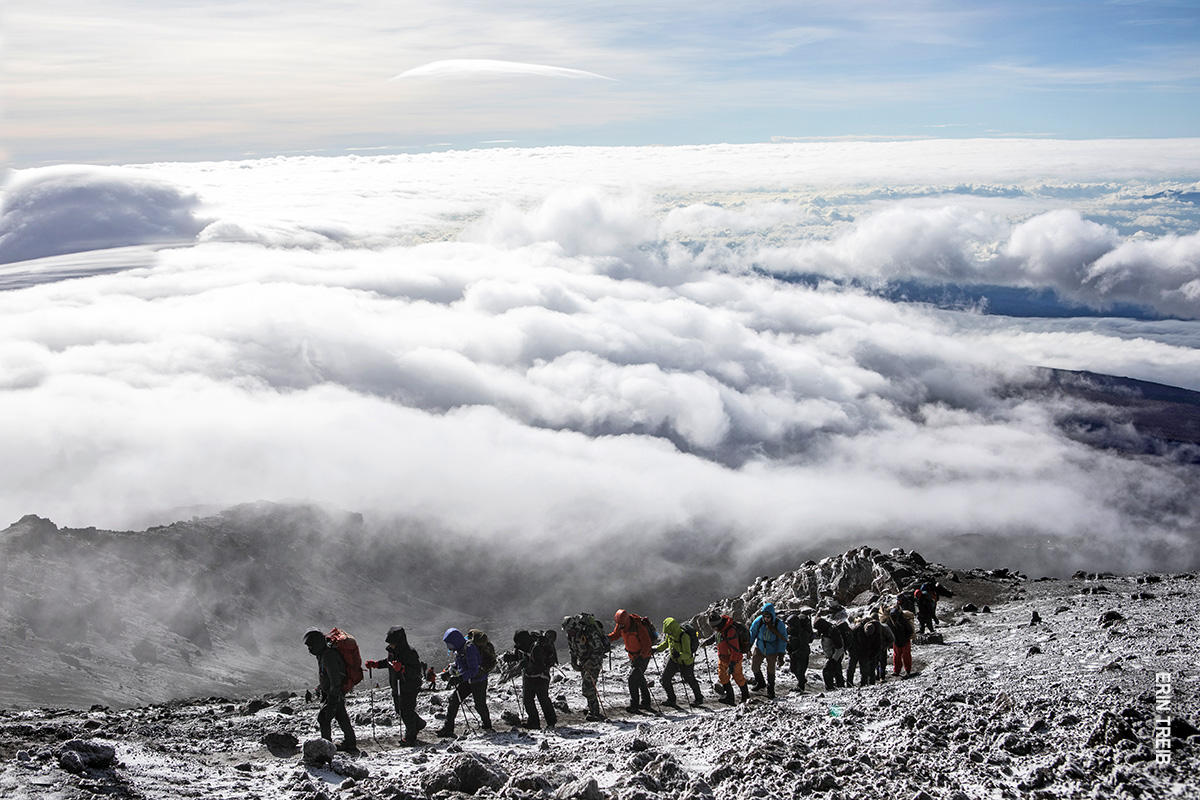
{"type": "Point", "coordinates": [693, 635]}
{"type": "Point", "coordinates": [545, 647]}
{"type": "Point", "coordinates": [487, 653]}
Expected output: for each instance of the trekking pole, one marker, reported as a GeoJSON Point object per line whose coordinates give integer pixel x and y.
{"type": "Point", "coordinates": [374, 686]}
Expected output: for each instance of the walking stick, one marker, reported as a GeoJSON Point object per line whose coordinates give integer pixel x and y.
{"type": "Point", "coordinates": [374, 686]}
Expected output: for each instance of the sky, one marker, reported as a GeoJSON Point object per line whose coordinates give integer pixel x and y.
{"type": "Point", "coordinates": [565, 349]}
{"type": "Point", "coordinates": [117, 81]}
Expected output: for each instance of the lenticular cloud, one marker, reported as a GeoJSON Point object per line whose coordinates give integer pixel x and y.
{"type": "Point", "coordinates": [568, 345]}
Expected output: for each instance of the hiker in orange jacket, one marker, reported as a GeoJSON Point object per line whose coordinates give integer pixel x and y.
{"type": "Point", "coordinates": [638, 644]}
{"type": "Point", "coordinates": [729, 657]}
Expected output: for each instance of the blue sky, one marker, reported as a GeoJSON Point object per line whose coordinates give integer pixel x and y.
{"type": "Point", "coordinates": [121, 81]}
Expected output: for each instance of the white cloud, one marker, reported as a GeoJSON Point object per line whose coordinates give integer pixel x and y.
{"type": "Point", "coordinates": [539, 341]}
{"type": "Point", "coordinates": [490, 68]}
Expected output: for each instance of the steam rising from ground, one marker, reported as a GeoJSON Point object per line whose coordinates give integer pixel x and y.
{"type": "Point", "coordinates": [570, 348]}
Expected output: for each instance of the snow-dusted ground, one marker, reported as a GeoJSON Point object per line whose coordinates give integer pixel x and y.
{"type": "Point", "coordinates": [988, 716]}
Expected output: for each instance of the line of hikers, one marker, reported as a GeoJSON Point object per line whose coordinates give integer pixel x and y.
{"type": "Point", "coordinates": [866, 640]}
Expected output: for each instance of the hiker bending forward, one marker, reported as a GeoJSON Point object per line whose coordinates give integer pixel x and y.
{"type": "Point", "coordinates": [587, 643]}
{"type": "Point", "coordinates": [535, 655]}
{"type": "Point", "coordinates": [681, 659]}
{"type": "Point", "coordinates": [729, 656]}
{"type": "Point", "coordinates": [403, 667]}
{"type": "Point", "coordinates": [636, 636]}
{"type": "Point", "coordinates": [472, 681]}
{"type": "Point", "coordinates": [331, 669]}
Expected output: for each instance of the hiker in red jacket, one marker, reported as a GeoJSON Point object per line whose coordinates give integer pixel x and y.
{"type": "Point", "coordinates": [636, 633]}
{"type": "Point", "coordinates": [729, 656]}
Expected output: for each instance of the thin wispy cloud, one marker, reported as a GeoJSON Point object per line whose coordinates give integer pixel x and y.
{"type": "Point", "coordinates": [486, 68]}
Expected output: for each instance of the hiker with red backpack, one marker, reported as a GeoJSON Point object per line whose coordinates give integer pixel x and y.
{"type": "Point", "coordinates": [403, 667]}
{"type": "Point", "coordinates": [334, 680]}
{"type": "Point", "coordinates": [468, 678]}
{"type": "Point", "coordinates": [635, 631]}
{"type": "Point", "coordinates": [732, 644]}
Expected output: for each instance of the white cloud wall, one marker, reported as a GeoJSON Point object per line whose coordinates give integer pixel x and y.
{"type": "Point", "coordinates": [489, 340]}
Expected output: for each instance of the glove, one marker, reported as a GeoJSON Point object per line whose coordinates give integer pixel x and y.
{"type": "Point", "coordinates": [372, 664]}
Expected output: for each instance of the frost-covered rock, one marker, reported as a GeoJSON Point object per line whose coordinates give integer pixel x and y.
{"type": "Point", "coordinates": [346, 767]}
{"type": "Point", "coordinates": [79, 755]}
{"type": "Point", "coordinates": [464, 772]}
{"type": "Point", "coordinates": [319, 751]}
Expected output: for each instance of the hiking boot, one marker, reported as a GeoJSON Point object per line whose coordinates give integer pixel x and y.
{"type": "Point", "coordinates": [697, 703]}
{"type": "Point", "coordinates": [349, 748]}
{"type": "Point", "coordinates": [421, 723]}
{"type": "Point", "coordinates": [745, 693]}
{"type": "Point", "coordinates": [759, 683]}
{"type": "Point", "coordinates": [671, 703]}
{"type": "Point", "coordinates": [770, 690]}
{"type": "Point", "coordinates": [726, 695]}
{"type": "Point", "coordinates": [445, 732]}
{"type": "Point", "coordinates": [595, 717]}
{"type": "Point", "coordinates": [633, 709]}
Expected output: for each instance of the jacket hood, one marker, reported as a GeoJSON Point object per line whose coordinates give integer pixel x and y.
{"type": "Point", "coordinates": [621, 618]}
{"type": "Point", "coordinates": [396, 636]}
{"type": "Point", "coordinates": [523, 640]}
{"type": "Point", "coordinates": [454, 639]}
{"type": "Point", "coordinates": [769, 608]}
{"type": "Point", "coordinates": [671, 627]}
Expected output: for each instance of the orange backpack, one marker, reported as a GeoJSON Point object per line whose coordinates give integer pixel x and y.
{"type": "Point", "coordinates": [347, 645]}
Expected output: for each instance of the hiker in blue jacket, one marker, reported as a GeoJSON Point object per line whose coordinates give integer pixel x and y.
{"type": "Point", "coordinates": [768, 635]}
{"type": "Point", "coordinates": [471, 680]}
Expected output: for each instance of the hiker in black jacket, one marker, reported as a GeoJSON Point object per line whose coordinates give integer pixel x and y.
{"type": "Point", "coordinates": [834, 648]}
{"type": "Point", "coordinates": [799, 645]}
{"type": "Point", "coordinates": [535, 654]}
{"type": "Point", "coordinates": [404, 672]}
{"type": "Point", "coordinates": [863, 647]}
{"type": "Point", "coordinates": [331, 669]}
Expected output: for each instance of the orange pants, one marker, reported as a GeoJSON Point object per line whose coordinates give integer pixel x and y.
{"type": "Point", "coordinates": [724, 668]}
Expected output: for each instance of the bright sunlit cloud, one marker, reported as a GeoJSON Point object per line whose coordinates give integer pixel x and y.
{"type": "Point", "coordinates": [563, 345]}
{"type": "Point", "coordinates": [484, 68]}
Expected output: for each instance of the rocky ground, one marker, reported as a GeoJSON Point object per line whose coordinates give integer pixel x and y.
{"type": "Point", "coordinates": [1003, 707]}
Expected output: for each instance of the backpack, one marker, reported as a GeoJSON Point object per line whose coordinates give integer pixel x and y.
{"type": "Point", "coordinates": [650, 629]}
{"type": "Point", "coordinates": [347, 645]}
{"type": "Point", "coordinates": [693, 635]}
{"type": "Point", "coordinates": [743, 636]}
{"type": "Point", "coordinates": [545, 646]}
{"type": "Point", "coordinates": [585, 633]}
{"type": "Point", "coordinates": [870, 634]}
{"type": "Point", "coordinates": [487, 653]}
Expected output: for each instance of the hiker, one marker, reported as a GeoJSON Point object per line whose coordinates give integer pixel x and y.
{"type": "Point", "coordinates": [863, 649]}
{"type": "Point", "coordinates": [587, 643]}
{"type": "Point", "coordinates": [926, 607]}
{"type": "Point", "coordinates": [331, 669]}
{"type": "Point", "coordinates": [635, 631]}
{"type": "Point", "coordinates": [403, 667]}
{"type": "Point", "coordinates": [430, 677]}
{"type": "Point", "coordinates": [769, 639]}
{"type": "Point", "coordinates": [799, 642]}
{"type": "Point", "coordinates": [900, 621]}
{"type": "Point", "coordinates": [887, 641]}
{"type": "Point", "coordinates": [834, 648]}
{"type": "Point", "coordinates": [467, 678]}
{"type": "Point", "coordinates": [535, 655]}
{"type": "Point", "coordinates": [682, 641]}
{"type": "Point", "coordinates": [729, 656]}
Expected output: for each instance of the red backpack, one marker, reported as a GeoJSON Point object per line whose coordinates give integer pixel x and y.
{"type": "Point", "coordinates": [347, 645]}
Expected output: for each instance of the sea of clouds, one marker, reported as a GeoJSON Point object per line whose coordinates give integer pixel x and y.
{"type": "Point", "coordinates": [569, 346]}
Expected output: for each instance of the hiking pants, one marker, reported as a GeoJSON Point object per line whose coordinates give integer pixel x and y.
{"type": "Point", "coordinates": [902, 656]}
{"type": "Point", "coordinates": [334, 707]}
{"type": "Point", "coordinates": [535, 690]}
{"type": "Point", "coordinates": [756, 660]}
{"type": "Point", "coordinates": [799, 666]}
{"type": "Point", "coordinates": [927, 621]}
{"type": "Point", "coordinates": [637, 683]}
{"type": "Point", "coordinates": [867, 665]}
{"type": "Point", "coordinates": [406, 707]}
{"type": "Point", "coordinates": [478, 691]}
{"type": "Point", "coordinates": [833, 673]}
{"type": "Point", "coordinates": [725, 669]}
{"type": "Point", "coordinates": [688, 671]}
{"type": "Point", "coordinates": [591, 683]}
